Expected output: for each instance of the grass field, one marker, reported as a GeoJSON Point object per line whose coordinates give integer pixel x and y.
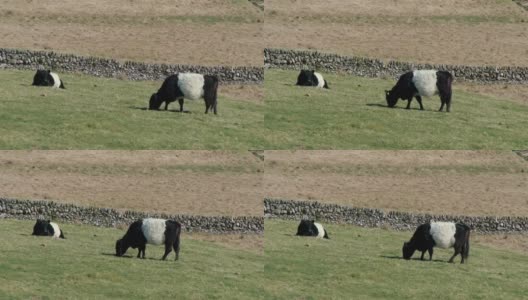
{"type": "Point", "coordinates": [175, 182]}
{"type": "Point", "coordinates": [366, 264]}
{"type": "Point", "coordinates": [353, 114]}
{"type": "Point", "coordinates": [96, 113]}
{"type": "Point", "coordinates": [84, 266]}
{"type": "Point", "coordinates": [466, 32]}
{"type": "Point", "coordinates": [492, 183]}
{"type": "Point", "coordinates": [203, 32]}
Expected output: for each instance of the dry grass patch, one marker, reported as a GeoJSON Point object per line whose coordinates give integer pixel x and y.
{"type": "Point", "coordinates": [437, 182]}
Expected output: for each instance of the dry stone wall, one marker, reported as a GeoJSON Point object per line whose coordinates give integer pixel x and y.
{"type": "Point", "coordinates": [103, 67]}
{"type": "Point", "coordinates": [107, 217]}
{"type": "Point", "coordinates": [366, 217]}
{"type": "Point", "coordinates": [367, 67]}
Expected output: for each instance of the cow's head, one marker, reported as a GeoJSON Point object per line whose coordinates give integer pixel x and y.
{"type": "Point", "coordinates": [391, 98]}
{"type": "Point", "coordinates": [306, 77]}
{"type": "Point", "coordinates": [408, 250]}
{"type": "Point", "coordinates": [155, 101]}
{"type": "Point", "coordinates": [42, 77]}
{"type": "Point", "coordinates": [121, 247]}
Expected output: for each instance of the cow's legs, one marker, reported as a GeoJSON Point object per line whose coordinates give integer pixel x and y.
{"type": "Point", "coordinates": [168, 249]}
{"type": "Point", "coordinates": [419, 99]}
{"type": "Point", "coordinates": [430, 253]}
{"type": "Point", "coordinates": [181, 104]}
{"type": "Point", "coordinates": [166, 105]}
{"type": "Point", "coordinates": [453, 257]}
{"type": "Point", "coordinates": [422, 257]}
{"type": "Point", "coordinates": [409, 103]}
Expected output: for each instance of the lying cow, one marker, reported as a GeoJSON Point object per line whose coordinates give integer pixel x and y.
{"type": "Point", "coordinates": [47, 228]}
{"type": "Point", "coordinates": [47, 78]}
{"type": "Point", "coordinates": [311, 78]}
{"type": "Point", "coordinates": [311, 228]}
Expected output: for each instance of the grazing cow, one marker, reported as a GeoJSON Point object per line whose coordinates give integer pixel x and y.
{"type": "Point", "coordinates": [187, 86]}
{"type": "Point", "coordinates": [47, 78]}
{"type": "Point", "coordinates": [47, 228]}
{"type": "Point", "coordinates": [420, 83]}
{"type": "Point", "coordinates": [311, 78]}
{"type": "Point", "coordinates": [439, 234]}
{"type": "Point", "coordinates": [310, 228]}
{"type": "Point", "coordinates": [151, 231]}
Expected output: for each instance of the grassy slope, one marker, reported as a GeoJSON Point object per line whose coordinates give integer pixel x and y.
{"type": "Point", "coordinates": [353, 115]}
{"type": "Point", "coordinates": [365, 263]}
{"type": "Point", "coordinates": [95, 113]}
{"type": "Point", "coordinates": [83, 266]}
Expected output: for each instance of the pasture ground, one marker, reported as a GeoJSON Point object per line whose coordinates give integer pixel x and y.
{"type": "Point", "coordinates": [367, 263]}
{"type": "Point", "coordinates": [437, 182]}
{"type": "Point", "coordinates": [465, 32]}
{"type": "Point", "coordinates": [84, 266]}
{"type": "Point", "coordinates": [353, 114]}
{"type": "Point", "coordinates": [175, 182]}
{"type": "Point", "coordinates": [101, 113]}
{"type": "Point", "coordinates": [202, 32]}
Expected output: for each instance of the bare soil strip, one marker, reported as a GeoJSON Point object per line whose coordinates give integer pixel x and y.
{"type": "Point", "coordinates": [218, 32]}
{"type": "Point", "coordinates": [178, 182]}
{"type": "Point", "coordinates": [464, 32]}
{"type": "Point", "coordinates": [438, 182]}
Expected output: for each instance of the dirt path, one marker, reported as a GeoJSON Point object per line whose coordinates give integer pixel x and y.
{"type": "Point", "coordinates": [440, 182]}
{"type": "Point", "coordinates": [183, 182]}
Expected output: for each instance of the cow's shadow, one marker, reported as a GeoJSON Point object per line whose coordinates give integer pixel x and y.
{"type": "Point", "coordinates": [158, 110]}
{"type": "Point", "coordinates": [414, 258]}
{"type": "Point", "coordinates": [395, 107]}
{"type": "Point", "coordinates": [129, 256]}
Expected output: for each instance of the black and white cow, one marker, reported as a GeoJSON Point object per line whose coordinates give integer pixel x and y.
{"type": "Point", "coordinates": [47, 228]}
{"type": "Point", "coordinates": [311, 78]}
{"type": "Point", "coordinates": [420, 83]}
{"type": "Point", "coordinates": [439, 234]}
{"type": "Point", "coordinates": [189, 86]}
{"type": "Point", "coordinates": [47, 78]}
{"type": "Point", "coordinates": [151, 231]}
{"type": "Point", "coordinates": [311, 228]}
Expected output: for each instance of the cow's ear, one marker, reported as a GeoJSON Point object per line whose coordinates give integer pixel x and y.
{"type": "Point", "coordinates": [313, 221]}
{"type": "Point", "coordinates": [313, 71]}
{"type": "Point", "coordinates": [49, 71]}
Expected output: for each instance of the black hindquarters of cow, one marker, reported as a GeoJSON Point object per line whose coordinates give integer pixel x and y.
{"type": "Point", "coordinates": [444, 84]}
{"type": "Point", "coordinates": [211, 93]}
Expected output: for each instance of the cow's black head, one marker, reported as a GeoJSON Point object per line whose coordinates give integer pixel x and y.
{"type": "Point", "coordinates": [391, 98]}
{"type": "Point", "coordinates": [306, 228]}
{"type": "Point", "coordinates": [408, 250]}
{"type": "Point", "coordinates": [155, 101]}
{"type": "Point", "coordinates": [42, 77]}
{"type": "Point", "coordinates": [306, 78]}
{"type": "Point", "coordinates": [121, 247]}
{"type": "Point", "coordinates": [41, 227]}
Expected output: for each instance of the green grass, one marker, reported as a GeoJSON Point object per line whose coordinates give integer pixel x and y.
{"type": "Point", "coordinates": [98, 113]}
{"type": "Point", "coordinates": [83, 266]}
{"type": "Point", "coordinates": [358, 263]}
{"type": "Point", "coordinates": [353, 115]}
